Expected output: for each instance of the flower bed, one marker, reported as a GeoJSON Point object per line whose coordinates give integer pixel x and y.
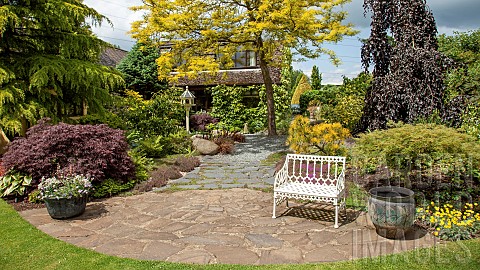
{"type": "Point", "coordinates": [450, 223]}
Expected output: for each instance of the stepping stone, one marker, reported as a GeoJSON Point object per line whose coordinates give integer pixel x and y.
{"type": "Point", "coordinates": [189, 186]}
{"type": "Point", "coordinates": [233, 255]}
{"type": "Point", "coordinates": [211, 186]}
{"type": "Point", "coordinates": [264, 241]}
{"type": "Point", "coordinates": [232, 185]}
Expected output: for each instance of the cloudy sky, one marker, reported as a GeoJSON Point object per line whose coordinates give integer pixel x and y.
{"type": "Point", "coordinates": [450, 16]}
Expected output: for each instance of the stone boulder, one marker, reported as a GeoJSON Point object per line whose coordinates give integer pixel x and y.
{"type": "Point", "coordinates": [205, 147]}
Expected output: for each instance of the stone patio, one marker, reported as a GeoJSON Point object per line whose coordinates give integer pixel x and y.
{"type": "Point", "coordinates": [231, 226]}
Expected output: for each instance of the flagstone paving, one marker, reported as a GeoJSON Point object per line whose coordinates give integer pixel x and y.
{"type": "Point", "coordinates": [231, 223]}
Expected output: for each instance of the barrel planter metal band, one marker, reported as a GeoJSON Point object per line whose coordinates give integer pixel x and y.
{"type": "Point", "coordinates": [392, 210]}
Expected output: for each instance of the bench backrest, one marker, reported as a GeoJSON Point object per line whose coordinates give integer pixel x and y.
{"type": "Point", "coordinates": [316, 170]}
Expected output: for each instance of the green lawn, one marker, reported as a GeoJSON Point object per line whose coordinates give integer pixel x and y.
{"type": "Point", "coordinates": [22, 246]}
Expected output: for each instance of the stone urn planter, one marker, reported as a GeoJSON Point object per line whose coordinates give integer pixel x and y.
{"type": "Point", "coordinates": [65, 196]}
{"type": "Point", "coordinates": [392, 210]}
{"type": "Point", "coordinates": [64, 208]}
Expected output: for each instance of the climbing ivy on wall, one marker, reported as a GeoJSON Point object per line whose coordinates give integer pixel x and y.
{"type": "Point", "coordinates": [229, 106]}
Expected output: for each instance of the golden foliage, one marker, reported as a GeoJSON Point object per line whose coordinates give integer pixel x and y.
{"type": "Point", "coordinates": [302, 87]}
{"type": "Point", "coordinates": [326, 139]}
{"type": "Point", "coordinates": [200, 29]}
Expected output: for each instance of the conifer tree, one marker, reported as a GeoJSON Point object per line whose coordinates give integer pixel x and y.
{"type": "Point", "coordinates": [206, 34]}
{"type": "Point", "coordinates": [48, 62]}
{"type": "Point", "coordinates": [316, 78]}
{"type": "Point", "coordinates": [140, 70]}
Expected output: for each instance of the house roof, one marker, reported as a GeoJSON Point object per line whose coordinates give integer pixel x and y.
{"type": "Point", "coordinates": [111, 57]}
{"type": "Point", "coordinates": [232, 77]}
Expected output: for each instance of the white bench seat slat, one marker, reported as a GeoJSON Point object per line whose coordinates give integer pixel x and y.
{"type": "Point", "coordinates": [308, 190]}
{"type": "Point", "coordinates": [310, 177]}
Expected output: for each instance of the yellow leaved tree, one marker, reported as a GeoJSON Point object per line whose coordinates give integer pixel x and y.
{"type": "Point", "coordinates": [204, 35]}
{"type": "Point", "coordinates": [326, 139]}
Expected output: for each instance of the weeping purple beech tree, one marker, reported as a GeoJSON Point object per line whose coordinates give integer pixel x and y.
{"type": "Point", "coordinates": [407, 67]}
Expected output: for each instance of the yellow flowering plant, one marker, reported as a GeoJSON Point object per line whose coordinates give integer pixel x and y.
{"type": "Point", "coordinates": [450, 223]}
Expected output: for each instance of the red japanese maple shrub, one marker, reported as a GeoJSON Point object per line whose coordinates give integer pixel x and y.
{"type": "Point", "coordinates": [95, 150]}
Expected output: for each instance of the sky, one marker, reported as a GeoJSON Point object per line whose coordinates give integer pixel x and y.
{"type": "Point", "coordinates": [450, 16]}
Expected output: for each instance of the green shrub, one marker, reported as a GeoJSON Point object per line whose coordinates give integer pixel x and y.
{"type": "Point", "coordinates": [160, 146]}
{"type": "Point", "coordinates": [153, 147]}
{"type": "Point", "coordinates": [109, 118]}
{"type": "Point", "coordinates": [348, 111]}
{"type": "Point", "coordinates": [307, 97]}
{"type": "Point", "coordinates": [423, 156]}
{"type": "Point", "coordinates": [142, 165]}
{"type": "Point", "coordinates": [110, 187]}
{"type": "Point", "coordinates": [471, 120]}
{"type": "Point", "coordinates": [161, 115]}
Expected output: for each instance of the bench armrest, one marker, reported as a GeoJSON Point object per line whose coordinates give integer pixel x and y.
{"type": "Point", "coordinates": [282, 175]}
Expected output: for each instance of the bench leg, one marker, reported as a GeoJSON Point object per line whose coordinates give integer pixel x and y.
{"type": "Point", "coordinates": [274, 206]}
{"type": "Point", "coordinates": [336, 216]}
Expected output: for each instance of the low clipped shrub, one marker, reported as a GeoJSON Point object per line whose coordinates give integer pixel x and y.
{"type": "Point", "coordinates": [200, 121]}
{"type": "Point", "coordinates": [94, 150]}
{"type": "Point", "coordinates": [165, 173]}
{"type": "Point", "coordinates": [326, 139]}
{"type": "Point", "coordinates": [427, 157]}
{"type": "Point", "coordinates": [110, 187]}
{"type": "Point", "coordinates": [187, 164]}
{"type": "Point", "coordinates": [226, 145]}
{"type": "Point", "coordinates": [144, 186]}
{"type": "Point", "coordinates": [238, 137]}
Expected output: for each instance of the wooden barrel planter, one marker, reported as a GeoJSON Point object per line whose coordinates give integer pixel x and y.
{"type": "Point", "coordinates": [64, 208]}
{"type": "Point", "coordinates": [392, 210]}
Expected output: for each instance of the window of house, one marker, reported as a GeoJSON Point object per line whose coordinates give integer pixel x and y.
{"type": "Point", "coordinates": [244, 59]}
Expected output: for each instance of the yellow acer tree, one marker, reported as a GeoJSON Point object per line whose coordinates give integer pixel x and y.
{"type": "Point", "coordinates": [203, 35]}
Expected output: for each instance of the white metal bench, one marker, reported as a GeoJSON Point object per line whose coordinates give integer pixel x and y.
{"type": "Point", "coordinates": [310, 177]}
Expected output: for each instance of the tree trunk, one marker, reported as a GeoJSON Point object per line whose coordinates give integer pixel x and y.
{"type": "Point", "coordinates": [3, 141]}
{"type": "Point", "coordinates": [267, 79]}
{"type": "Point", "coordinates": [24, 122]}
{"type": "Point", "coordinates": [84, 107]}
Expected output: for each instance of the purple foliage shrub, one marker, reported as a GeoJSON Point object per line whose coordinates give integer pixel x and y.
{"type": "Point", "coordinates": [200, 121]}
{"type": "Point", "coordinates": [166, 173]}
{"type": "Point", "coordinates": [226, 145]}
{"type": "Point", "coordinates": [238, 137]}
{"type": "Point", "coordinates": [96, 150]}
{"type": "Point", "coordinates": [187, 164]}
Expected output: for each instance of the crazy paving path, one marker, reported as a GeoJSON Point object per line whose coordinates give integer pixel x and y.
{"type": "Point", "coordinates": [243, 169]}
